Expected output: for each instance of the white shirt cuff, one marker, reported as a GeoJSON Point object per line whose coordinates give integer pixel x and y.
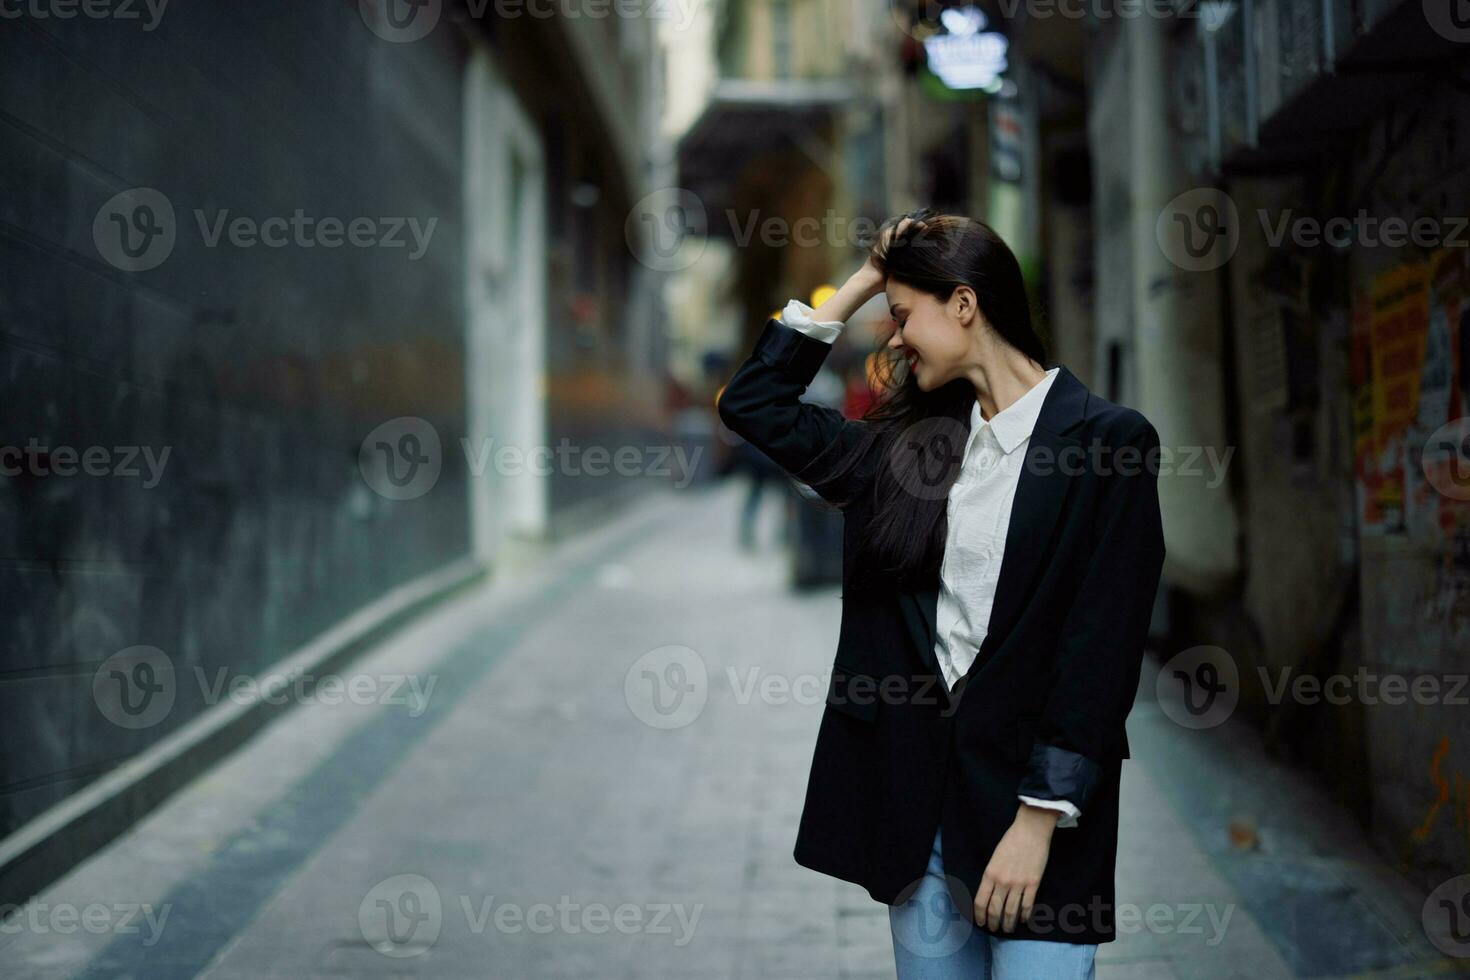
{"type": "Point", "coordinates": [798, 316]}
{"type": "Point", "coordinates": [1069, 812]}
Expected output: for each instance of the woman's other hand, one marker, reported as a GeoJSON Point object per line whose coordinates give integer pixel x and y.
{"type": "Point", "coordinates": [1008, 887]}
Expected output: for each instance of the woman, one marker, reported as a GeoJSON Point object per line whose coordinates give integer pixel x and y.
{"type": "Point", "coordinates": [1002, 549]}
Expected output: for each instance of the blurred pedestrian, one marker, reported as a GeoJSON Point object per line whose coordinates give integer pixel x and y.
{"type": "Point", "coordinates": [759, 470]}
{"type": "Point", "coordinates": [995, 608]}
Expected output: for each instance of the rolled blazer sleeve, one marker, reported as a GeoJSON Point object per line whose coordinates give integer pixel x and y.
{"type": "Point", "coordinates": [762, 403]}
{"type": "Point", "coordinates": [1103, 636]}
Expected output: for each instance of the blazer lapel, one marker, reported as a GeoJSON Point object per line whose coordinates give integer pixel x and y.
{"type": "Point", "coordinates": [1040, 494]}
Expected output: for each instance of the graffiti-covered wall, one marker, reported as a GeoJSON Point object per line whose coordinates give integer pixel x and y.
{"type": "Point", "coordinates": [1411, 396]}
{"type": "Point", "coordinates": [1352, 296]}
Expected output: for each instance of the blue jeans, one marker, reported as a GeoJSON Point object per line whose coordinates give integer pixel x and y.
{"type": "Point", "coordinates": [933, 940]}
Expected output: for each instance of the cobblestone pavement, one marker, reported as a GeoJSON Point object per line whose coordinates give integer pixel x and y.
{"type": "Point", "coordinates": [533, 814]}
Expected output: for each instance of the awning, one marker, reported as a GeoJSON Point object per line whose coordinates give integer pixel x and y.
{"type": "Point", "coordinates": [747, 119]}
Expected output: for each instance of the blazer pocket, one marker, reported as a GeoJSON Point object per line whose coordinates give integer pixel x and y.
{"type": "Point", "coordinates": [853, 693]}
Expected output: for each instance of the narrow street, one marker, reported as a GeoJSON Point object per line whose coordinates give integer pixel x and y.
{"type": "Point", "coordinates": [522, 809]}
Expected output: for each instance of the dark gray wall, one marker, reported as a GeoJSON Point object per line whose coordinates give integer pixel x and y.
{"type": "Point", "coordinates": [259, 369]}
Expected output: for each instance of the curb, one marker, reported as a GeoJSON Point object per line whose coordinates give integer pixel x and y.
{"type": "Point", "coordinates": [56, 841]}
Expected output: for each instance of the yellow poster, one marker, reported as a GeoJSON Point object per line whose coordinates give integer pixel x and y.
{"type": "Point", "coordinates": [1398, 328]}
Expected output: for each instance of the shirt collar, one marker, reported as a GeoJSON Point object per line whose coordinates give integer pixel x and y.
{"type": "Point", "coordinates": [1014, 424]}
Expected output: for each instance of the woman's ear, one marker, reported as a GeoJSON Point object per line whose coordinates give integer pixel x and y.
{"type": "Point", "coordinates": [964, 305]}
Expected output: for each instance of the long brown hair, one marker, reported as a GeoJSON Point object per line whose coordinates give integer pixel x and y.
{"type": "Point", "coordinates": [922, 434]}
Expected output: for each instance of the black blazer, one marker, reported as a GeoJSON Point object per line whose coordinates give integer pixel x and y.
{"type": "Point", "coordinates": [1040, 713]}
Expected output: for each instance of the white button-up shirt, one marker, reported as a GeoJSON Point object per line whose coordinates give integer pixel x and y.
{"type": "Point", "coordinates": [979, 514]}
